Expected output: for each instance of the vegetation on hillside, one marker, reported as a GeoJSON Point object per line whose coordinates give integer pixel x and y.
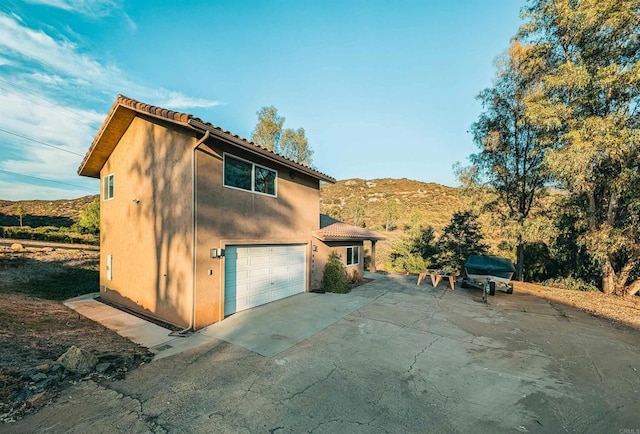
{"type": "Point", "coordinates": [66, 221]}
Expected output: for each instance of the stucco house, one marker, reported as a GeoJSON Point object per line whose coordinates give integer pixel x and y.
{"type": "Point", "coordinates": [198, 223]}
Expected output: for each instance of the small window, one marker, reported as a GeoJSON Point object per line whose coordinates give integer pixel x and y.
{"type": "Point", "coordinates": [108, 187]}
{"type": "Point", "coordinates": [237, 173]}
{"type": "Point", "coordinates": [265, 181]}
{"type": "Point", "coordinates": [353, 255]}
{"type": "Point", "coordinates": [249, 176]}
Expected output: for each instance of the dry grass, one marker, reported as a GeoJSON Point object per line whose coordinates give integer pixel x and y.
{"type": "Point", "coordinates": [618, 309]}
{"type": "Point", "coordinates": [36, 328]}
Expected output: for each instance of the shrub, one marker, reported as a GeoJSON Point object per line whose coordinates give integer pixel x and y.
{"type": "Point", "coordinates": [571, 283]}
{"type": "Point", "coordinates": [47, 233]}
{"type": "Point", "coordinates": [90, 218]}
{"type": "Point", "coordinates": [335, 275]}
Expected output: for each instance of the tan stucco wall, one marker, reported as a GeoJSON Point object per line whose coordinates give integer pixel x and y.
{"type": "Point", "coordinates": [228, 216]}
{"type": "Point", "coordinates": [321, 254]}
{"type": "Point", "coordinates": [150, 241]}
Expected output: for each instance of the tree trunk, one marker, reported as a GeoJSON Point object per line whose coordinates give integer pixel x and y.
{"type": "Point", "coordinates": [20, 221]}
{"type": "Point", "coordinates": [520, 260]}
{"type": "Point", "coordinates": [608, 278]}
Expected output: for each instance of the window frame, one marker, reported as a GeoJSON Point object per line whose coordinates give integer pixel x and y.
{"type": "Point", "coordinates": [253, 176]}
{"type": "Point", "coordinates": [105, 187]}
{"type": "Point", "coordinates": [350, 257]}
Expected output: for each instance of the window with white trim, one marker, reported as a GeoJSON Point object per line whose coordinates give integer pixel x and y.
{"type": "Point", "coordinates": [108, 187]}
{"type": "Point", "coordinates": [353, 255]}
{"type": "Point", "coordinates": [245, 175]}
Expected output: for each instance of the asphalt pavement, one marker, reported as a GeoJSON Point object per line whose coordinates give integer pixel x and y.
{"type": "Point", "coordinates": [399, 358]}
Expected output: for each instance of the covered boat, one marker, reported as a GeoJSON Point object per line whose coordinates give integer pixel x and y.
{"type": "Point", "coordinates": [486, 271]}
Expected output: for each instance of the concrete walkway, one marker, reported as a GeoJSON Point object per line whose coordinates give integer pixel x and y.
{"type": "Point", "coordinates": [266, 330]}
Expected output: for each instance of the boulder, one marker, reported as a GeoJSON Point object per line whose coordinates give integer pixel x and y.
{"type": "Point", "coordinates": [78, 361]}
{"type": "Point", "coordinates": [17, 247]}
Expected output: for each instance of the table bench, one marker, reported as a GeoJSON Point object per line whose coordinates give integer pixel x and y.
{"type": "Point", "coordinates": [436, 277]}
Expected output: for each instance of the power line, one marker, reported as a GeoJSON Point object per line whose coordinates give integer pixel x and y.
{"type": "Point", "coordinates": [38, 141]}
{"type": "Point", "coordinates": [49, 106]}
{"type": "Point", "coordinates": [45, 179]}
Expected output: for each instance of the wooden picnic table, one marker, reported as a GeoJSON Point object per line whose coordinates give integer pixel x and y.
{"type": "Point", "coordinates": [436, 277]}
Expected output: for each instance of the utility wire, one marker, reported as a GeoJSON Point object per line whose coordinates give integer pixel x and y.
{"type": "Point", "coordinates": [38, 141]}
{"type": "Point", "coordinates": [45, 179]}
{"type": "Point", "coordinates": [49, 106]}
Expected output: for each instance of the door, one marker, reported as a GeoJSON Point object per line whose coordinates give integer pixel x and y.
{"type": "Point", "coordinates": [255, 275]}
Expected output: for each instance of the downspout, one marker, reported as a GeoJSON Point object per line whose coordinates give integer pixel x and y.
{"type": "Point", "coordinates": [194, 180]}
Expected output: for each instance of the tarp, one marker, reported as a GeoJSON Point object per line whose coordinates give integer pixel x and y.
{"type": "Point", "coordinates": [489, 263]}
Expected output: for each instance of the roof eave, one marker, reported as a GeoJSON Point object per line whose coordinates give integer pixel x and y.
{"type": "Point", "coordinates": [250, 147]}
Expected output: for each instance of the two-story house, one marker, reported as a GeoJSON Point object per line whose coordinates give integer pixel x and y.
{"type": "Point", "coordinates": [198, 223]}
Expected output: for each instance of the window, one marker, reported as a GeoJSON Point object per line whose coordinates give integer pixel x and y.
{"type": "Point", "coordinates": [353, 255]}
{"type": "Point", "coordinates": [249, 176]}
{"type": "Point", "coordinates": [108, 187]}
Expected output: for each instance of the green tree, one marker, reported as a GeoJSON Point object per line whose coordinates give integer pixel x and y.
{"type": "Point", "coordinates": [356, 211]}
{"type": "Point", "coordinates": [416, 253]}
{"type": "Point", "coordinates": [90, 218]}
{"type": "Point", "coordinates": [269, 133]}
{"type": "Point", "coordinates": [461, 238]}
{"type": "Point", "coordinates": [21, 212]}
{"type": "Point", "coordinates": [268, 130]}
{"type": "Point", "coordinates": [390, 214]}
{"type": "Point", "coordinates": [587, 55]}
{"type": "Point", "coordinates": [335, 277]}
{"type": "Point", "coordinates": [512, 149]}
{"type": "Point", "coordinates": [294, 145]}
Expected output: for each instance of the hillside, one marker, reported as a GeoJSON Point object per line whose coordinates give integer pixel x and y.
{"type": "Point", "coordinates": [62, 213]}
{"type": "Point", "coordinates": [417, 202]}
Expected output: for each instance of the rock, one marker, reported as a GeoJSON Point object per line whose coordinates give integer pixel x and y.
{"type": "Point", "coordinates": [44, 367]}
{"type": "Point", "coordinates": [17, 247]}
{"type": "Point", "coordinates": [101, 368]}
{"type": "Point", "coordinates": [78, 361]}
{"type": "Point", "coordinates": [56, 367]}
{"type": "Point", "coordinates": [38, 377]}
{"type": "Point", "coordinates": [38, 400]}
{"type": "Point", "coordinates": [48, 249]}
{"type": "Point", "coordinates": [24, 395]}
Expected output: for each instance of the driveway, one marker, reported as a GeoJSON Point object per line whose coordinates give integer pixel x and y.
{"type": "Point", "coordinates": [406, 359]}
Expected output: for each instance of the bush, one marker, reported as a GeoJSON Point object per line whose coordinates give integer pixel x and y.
{"type": "Point", "coordinates": [571, 283]}
{"type": "Point", "coordinates": [47, 233]}
{"type": "Point", "coordinates": [335, 275]}
{"type": "Point", "coordinates": [90, 218]}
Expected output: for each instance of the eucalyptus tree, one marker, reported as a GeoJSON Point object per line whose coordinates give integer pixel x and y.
{"type": "Point", "coordinates": [269, 134]}
{"type": "Point", "coordinates": [587, 55]}
{"type": "Point", "coordinates": [512, 149]}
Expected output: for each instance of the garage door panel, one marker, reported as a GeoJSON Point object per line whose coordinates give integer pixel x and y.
{"type": "Point", "coordinates": [256, 275]}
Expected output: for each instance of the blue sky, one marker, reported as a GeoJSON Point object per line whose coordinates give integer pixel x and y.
{"type": "Point", "coordinates": [383, 89]}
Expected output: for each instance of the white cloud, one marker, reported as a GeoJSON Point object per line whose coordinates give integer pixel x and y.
{"type": "Point", "coordinates": [47, 86]}
{"type": "Point", "coordinates": [21, 43]}
{"type": "Point", "coordinates": [94, 8]}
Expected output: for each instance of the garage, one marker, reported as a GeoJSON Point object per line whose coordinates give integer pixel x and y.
{"type": "Point", "coordinates": [255, 275]}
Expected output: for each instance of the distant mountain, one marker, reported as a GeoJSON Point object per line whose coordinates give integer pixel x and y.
{"type": "Point", "coordinates": [427, 203]}
{"type": "Point", "coordinates": [62, 213]}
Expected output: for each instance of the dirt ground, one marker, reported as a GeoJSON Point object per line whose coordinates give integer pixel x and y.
{"type": "Point", "coordinates": [36, 328]}
{"type": "Point", "coordinates": [621, 310]}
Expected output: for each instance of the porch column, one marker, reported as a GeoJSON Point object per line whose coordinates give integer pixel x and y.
{"type": "Point", "coordinates": [372, 263]}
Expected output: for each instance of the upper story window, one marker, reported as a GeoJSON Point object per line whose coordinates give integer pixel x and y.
{"type": "Point", "coordinates": [249, 176]}
{"type": "Point", "coordinates": [108, 187]}
{"type": "Point", "coordinates": [353, 255]}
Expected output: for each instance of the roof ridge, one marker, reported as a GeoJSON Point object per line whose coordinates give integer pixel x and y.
{"type": "Point", "coordinates": [186, 117]}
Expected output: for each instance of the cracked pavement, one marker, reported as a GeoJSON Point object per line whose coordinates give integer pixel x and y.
{"type": "Point", "coordinates": [413, 359]}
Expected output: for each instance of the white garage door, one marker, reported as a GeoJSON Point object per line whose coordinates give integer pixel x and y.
{"type": "Point", "coordinates": [255, 275]}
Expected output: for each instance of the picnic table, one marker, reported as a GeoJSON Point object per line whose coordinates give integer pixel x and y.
{"type": "Point", "coordinates": [437, 276]}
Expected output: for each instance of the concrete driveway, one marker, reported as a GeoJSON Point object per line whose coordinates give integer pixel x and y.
{"type": "Point", "coordinates": [408, 359]}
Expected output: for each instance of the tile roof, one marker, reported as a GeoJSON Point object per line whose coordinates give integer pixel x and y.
{"type": "Point", "coordinates": [335, 230]}
{"type": "Point", "coordinates": [193, 122]}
